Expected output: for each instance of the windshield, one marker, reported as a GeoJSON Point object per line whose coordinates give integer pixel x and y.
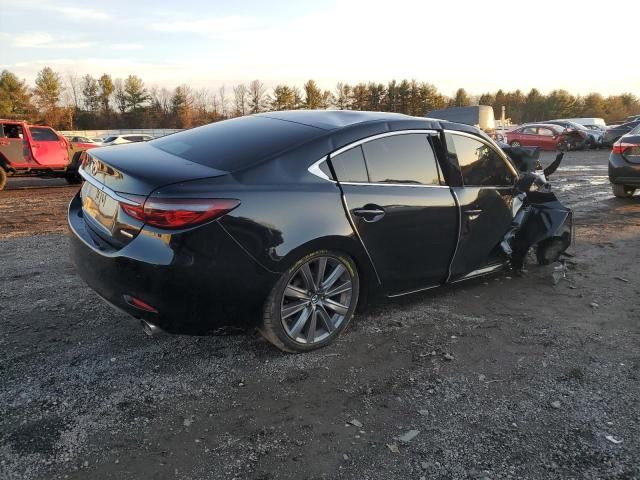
{"type": "Point", "coordinates": [635, 131]}
{"type": "Point", "coordinates": [109, 139]}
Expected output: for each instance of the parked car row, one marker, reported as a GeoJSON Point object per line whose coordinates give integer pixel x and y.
{"type": "Point", "coordinates": [548, 136]}
{"type": "Point", "coordinates": [111, 140]}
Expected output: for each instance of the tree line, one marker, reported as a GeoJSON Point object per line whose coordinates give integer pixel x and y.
{"type": "Point", "coordinates": [73, 102]}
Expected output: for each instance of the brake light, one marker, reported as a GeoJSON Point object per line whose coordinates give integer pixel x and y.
{"type": "Point", "coordinates": [173, 213]}
{"type": "Point", "coordinates": [619, 147]}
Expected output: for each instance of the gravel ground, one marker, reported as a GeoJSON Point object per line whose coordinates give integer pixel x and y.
{"type": "Point", "coordinates": [504, 377]}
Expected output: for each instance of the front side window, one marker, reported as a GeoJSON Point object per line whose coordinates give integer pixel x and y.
{"type": "Point", "coordinates": [529, 131]}
{"type": "Point", "coordinates": [406, 159]}
{"type": "Point", "coordinates": [42, 134]}
{"type": "Point", "coordinates": [480, 164]}
{"type": "Point", "coordinates": [12, 130]}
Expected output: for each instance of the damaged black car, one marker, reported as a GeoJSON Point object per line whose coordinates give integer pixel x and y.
{"type": "Point", "coordinates": [290, 219]}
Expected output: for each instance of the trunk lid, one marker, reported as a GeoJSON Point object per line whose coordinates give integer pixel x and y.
{"type": "Point", "coordinates": [128, 174]}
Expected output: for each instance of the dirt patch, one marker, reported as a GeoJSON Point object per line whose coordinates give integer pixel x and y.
{"type": "Point", "coordinates": [33, 207]}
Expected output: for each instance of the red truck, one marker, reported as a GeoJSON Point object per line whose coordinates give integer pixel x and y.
{"type": "Point", "coordinates": [37, 150]}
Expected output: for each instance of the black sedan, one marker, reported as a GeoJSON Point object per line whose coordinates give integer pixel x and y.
{"type": "Point", "coordinates": [624, 164]}
{"type": "Point", "coordinates": [291, 218]}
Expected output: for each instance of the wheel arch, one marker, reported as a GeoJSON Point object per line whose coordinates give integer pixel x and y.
{"type": "Point", "coordinates": [350, 246]}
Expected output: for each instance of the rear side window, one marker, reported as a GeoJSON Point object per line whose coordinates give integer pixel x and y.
{"type": "Point", "coordinates": [349, 166]}
{"type": "Point", "coordinates": [41, 134]}
{"type": "Point", "coordinates": [235, 144]}
{"type": "Point", "coordinates": [401, 159]}
{"type": "Point", "coordinates": [480, 164]}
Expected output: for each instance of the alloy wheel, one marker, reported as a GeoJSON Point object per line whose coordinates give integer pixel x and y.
{"type": "Point", "coordinates": [316, 300]}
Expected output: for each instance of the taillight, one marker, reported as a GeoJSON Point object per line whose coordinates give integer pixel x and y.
{"type": "Point", "coordinates": [619, 147]}
{"type": "Point", "coordinates": [173, 213]}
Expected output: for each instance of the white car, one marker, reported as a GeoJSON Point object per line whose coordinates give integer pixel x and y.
{"type": "Point", "coordinates": [127, 138]}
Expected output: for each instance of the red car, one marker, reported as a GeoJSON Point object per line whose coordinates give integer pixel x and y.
{"type": "Point", "coordinates": [543, 135]}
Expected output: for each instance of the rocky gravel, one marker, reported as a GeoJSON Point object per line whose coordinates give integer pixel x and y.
{"type": "Point", "coordinates": [503, 377]}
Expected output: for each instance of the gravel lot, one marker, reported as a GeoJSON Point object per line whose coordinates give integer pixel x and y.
{"type": "Point", "coordinates": [501, 377]}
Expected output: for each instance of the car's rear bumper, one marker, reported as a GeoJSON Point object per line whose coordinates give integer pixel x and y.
{"type": "Point", "coordinates": [623, 172]}
{"type": "Point", "coordinates": [196, 280]}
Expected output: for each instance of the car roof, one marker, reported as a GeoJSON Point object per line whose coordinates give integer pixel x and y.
{"type": "Point", "coordinates": [332, 119]}
{"type": "Point", "coordinates": [548, 125]}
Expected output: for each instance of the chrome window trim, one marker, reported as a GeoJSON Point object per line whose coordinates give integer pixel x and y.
{"type": "Point", "coordinates": [314, 169]}
{"type": "Point", "coordinates": [494, 146]}
{"type": "Point", "coordinates": [105, 189]}
{"type": "Point", "coordinates": [418, 185]}
{"type": "Point", "coordinates": [376, 137]}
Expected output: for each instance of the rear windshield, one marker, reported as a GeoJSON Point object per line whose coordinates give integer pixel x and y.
{"type": "Point", "coordinates": [235, 144]}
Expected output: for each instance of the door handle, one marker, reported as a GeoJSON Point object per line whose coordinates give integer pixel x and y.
{"type": "Point", "coordinates": [472, 214]}
{"type": "Point", "coordinates": [370, 213]}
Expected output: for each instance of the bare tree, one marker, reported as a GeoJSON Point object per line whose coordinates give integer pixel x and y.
{"type": "Point", "coordinates": [240, 100]}
{"type": "Point", "coordinates": [223, 101]}
{"type": "Point", "coordinates": [73, 84]}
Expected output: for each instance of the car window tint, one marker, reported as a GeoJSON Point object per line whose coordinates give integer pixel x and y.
{"type": "Point", "coordinates": [480, 164]}
{"type": "Point", "coordinates": [349, 166]}
{"type": "Point", "coordinates": [41, 134]}
{"type": "Point", "coordinates": [401, 159]}
{"type": "Point", "coordinates": [238, 143]}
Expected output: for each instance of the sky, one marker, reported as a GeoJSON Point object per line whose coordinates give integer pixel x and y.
{"type": "Point", "coordinates": [480, 45]}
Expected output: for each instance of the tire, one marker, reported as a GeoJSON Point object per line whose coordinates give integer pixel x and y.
{"type": "Point", "coordinates": [3, 178]}
{"type": "Point", "coordinates": [549, 251]}
{"type": "Point", "coordinates": [72, 176]}
{"type": "Point", "coordinates": [313, 317]}
{"type": "Point", "coordinates": [515, 143]}
{"type": "Point", "coordinates": [622, 191]}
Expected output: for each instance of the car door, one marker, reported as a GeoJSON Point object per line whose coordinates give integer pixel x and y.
{"type": "Point", "coordinates": [47, 148]}
{"type": "Point", "coordinates": [400, 208]}
{"type": "Point", "coordinates": [485, 199]}
{"type": "Point", "coordinates": [12, 144]}
{"type": "Point", "coordinates": [547, 138]}
{"type": "Point", "coordinates": [529, 137]}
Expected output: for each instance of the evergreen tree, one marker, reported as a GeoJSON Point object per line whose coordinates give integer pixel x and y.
{"type": "Point", "coordinates": [135, 92]}
{"type": "Point", "coordinates": [106, 90]}
{"type": "Point", "coordinates": [312, 95]}
{"type": "Point", "coordinates": [47, 93]}
{"type": "Point", "coordinates": [90, 93]}
{"type": "Point", "coordinates": [15, 99]}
